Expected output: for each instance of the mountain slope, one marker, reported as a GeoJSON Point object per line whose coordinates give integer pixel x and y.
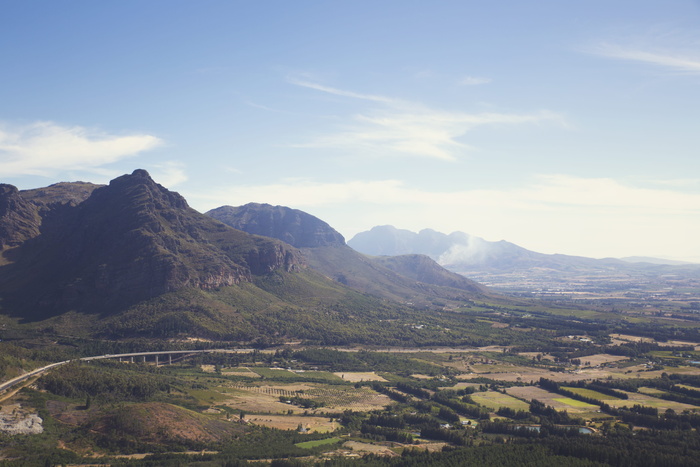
{"type": "Point", "coordinates": [133, 260]}
{"type": "Point", "coordinates": [414, 280]}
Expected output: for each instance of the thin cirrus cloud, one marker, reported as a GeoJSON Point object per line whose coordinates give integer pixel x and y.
{"type": "Point", "coordinates": [43, 148]}
{"type": "Point", "coordinates": [684, 62]}
{"type": "Point", "coordinates": [170, 173]}
{"type": "Point", "coordinates": [399, 127]}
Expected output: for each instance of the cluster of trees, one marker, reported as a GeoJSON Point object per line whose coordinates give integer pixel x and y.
{"type": "Point", "coordinates": [105, 381]}
{"type": "Point", "coordinates": [553, 386]}
{"type": "Point", "coordinates": [542, 431]}
{"type": "Point", "coordinates": [334, 360]}
{"type": "Point", "coordinates": [670, 384]}
{"type": "Point", "coordinates": [550, 415]}
{"type": "Point", "coordinates": [303, 402]}
{"type": "Point", "coordinates": [386, 433]}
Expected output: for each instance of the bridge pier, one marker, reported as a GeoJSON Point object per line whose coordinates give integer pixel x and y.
{"type": "Point", "coordinates": [170, 359]}
{"type": "Point", "coordinates": [156, 360]}
{"type": "Point", "coordinates": [132, 359]}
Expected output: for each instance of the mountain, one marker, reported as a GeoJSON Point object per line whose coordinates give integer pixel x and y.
{"type": "Point", "coordinates": [131, 259]}
{"type": "Point", "coordinates": [457, 251]}
{"type": "Point", "coordinates": [509, 267]}
{"type": "Point", "coordinates": [386, 240]}
{"type": "Point", "coordinates": [423, 269]}
{"type": "Point", "coordinates": [325, 251]}
{"type": "Point", "coordinates": [124, 243]}
{"type": "Point", "coordinates": [650, 260]}
{"type": "Point", "coordinates": [292, 226]}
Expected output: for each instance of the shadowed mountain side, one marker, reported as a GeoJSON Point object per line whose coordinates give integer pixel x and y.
{"type": "Point", "coordinates": [19, 219]}
{"type": "Point", "coordinates": [127, 242]}
{"type": "Point", "coordinates": [292, 226]}
{"type": "Point", "coordinates": [22, 212]}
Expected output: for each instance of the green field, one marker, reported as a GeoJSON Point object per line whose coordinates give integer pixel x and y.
{"type": "Point", "coordinates": [318, 442]}
{"type": "Point", "coordinates": [286, 375]}
{"type": "Point", "coordinates": [494, 400]}
{"type": "Point", "coordinates": [575, 403]}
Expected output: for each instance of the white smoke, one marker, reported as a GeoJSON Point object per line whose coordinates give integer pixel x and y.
{"type": "Point", "coordinates": [470, 251]}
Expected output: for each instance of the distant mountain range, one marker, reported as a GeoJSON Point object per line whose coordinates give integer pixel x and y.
{"type": "Point", "coordinates": [508, 265]}
{"type": "Point", "coordinates": [325, 251]}
{"type": "Point", "coordinates": [133, 259]}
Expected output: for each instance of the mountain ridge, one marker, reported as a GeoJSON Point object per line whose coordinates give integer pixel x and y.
{"type": "Point", "coordinates": [128, 241]}
{"type": "Point", "coordinates": [337, 260]}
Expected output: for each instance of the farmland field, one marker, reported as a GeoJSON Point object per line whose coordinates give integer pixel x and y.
{"type": "Point", "coordinates": [494, 400]}
{"type": "Point", "coordinates": [385, 411]}
{"type": "Point", "coordinates": [320, 442]}
{"type": "Point", "coordinates": [591, 393]}
{"type": "Point", "coordinates": [574, 403]}
{"type": "Point", "coordinates": [552, 399]}
{"type": "Point", "coordinates": [292, 422]}
{"type": "Point", "coordinates": [358, 376]}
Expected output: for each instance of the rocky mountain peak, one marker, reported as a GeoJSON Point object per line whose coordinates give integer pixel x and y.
{"type": "Point", "coordinates": [292, 226]}
{"type": "Point", "coordinates": [128, 241]}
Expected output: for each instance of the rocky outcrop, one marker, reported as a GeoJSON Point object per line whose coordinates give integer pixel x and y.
{"type": "Point", "coordinates": [292, 226]}
{"type": "Point", "coordinates": [70, 193]}
{"type": "Point", "coordinates": [19, 219]}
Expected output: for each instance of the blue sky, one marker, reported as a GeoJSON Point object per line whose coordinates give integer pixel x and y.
{"type": "Point", "coordinates": [564, 127]}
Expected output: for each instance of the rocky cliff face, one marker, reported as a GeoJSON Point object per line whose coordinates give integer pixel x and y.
{"type": "Point", "coordinates": [19, 219]}
{"type": "Point", "coordinates": [127, 242]}
{"type": "Point", "coordinates": [292, 226]}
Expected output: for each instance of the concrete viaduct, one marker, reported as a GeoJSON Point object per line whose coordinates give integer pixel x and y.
{"type": "Point", "coordinates": [167, 354]}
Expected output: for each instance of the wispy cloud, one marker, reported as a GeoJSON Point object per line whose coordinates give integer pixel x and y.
{"type": "Point", "coordinates": [400, 127]}
{"type": "Point", "coordinates": [44, 148]}
{"type": "Point", "coordinates": [169, 174]}
{"type": "Point", "coordinates": [682, 62]}
{"type": "Point", "coordinates": [340, 92]}
{"type": "Point", "coordinates": [474, 81]}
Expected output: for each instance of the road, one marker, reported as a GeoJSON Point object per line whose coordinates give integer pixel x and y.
{"type": "Point", "coordinates": [39, 371]}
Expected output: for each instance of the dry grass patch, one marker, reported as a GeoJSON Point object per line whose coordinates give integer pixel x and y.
{"type": "Point", "coordinates": [495, 400]}
{"type": "Point", "coordinates": [650, 401]}
{"type": "Point", "coordinates": [599, 359]}
{"type": "Point", "coordinates": [292, 422]}
{"type": "Point", "coordinates": [359, 376]}
{"type": "Point", "coordinates": [357, 446]}
{"type": "Point", "coordinates": [491, 368]}
{"type": "Point", "coordinates": [339, 398]}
